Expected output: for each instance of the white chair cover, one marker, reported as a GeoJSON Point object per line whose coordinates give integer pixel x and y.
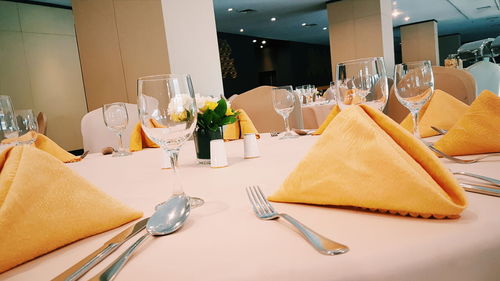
{"type": "Point", "coordinates": [95, 134]}
{"type": "Point", "coordinates": [487, 75]}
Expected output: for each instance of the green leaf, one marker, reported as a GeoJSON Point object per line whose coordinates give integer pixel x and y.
{"type": "Point", "coordinates": [228, 120]}
{"type": "Point", "coordinates": [221, 108]}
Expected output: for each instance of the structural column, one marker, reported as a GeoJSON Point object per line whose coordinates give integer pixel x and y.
{"type": "Point", "coordinates": [361, 29]}
{"type": "Point", "coordinates": [419, 41]}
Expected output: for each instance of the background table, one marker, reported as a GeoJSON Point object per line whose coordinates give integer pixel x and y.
{"type": "Point", "coordinates": [223, 240]}
{"type": "Point", "coordinates": [314, 114]}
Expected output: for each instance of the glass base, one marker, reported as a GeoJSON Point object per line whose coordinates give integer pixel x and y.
{"type": "Point", "coordinates": [203, 161]}
{"type": "Point", "coordinates": [121, 153]}
{"type": "Point", "coordinates": [288, 136]}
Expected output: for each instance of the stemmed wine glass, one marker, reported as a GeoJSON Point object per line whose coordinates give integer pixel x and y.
{"type": "Point", "coordinates": [168, 113]}
{"type": "Point", "coordinates": [283, 102]}
{"type": "Point", "coordinates": [27, 123]}
{"type": "Point", "coordinates": [414, 86]}
{"type": "Point", "coordinates": [8, 124]}
{"type": "Point", "coordinates": [362, 81]}
{"type": "Point", "coordinates": [116, 119]}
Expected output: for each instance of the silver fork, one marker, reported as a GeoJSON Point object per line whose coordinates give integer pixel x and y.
{"type": "Point", "coordinates": [439, 130]}
{"type": "Point", "coordinates": [484, 178]}
{"type": "Point", "coordinates": [459, 160]}
{"type": "Point", "coordinates": [264, 210]}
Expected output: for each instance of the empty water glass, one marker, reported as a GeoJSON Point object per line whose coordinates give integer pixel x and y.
{"type": "Point", "coordinates": [116, 119]}
{"type": "Point", "coordinates": [8, 124]}
{"type": "Point", "coordinates": [284, 102]}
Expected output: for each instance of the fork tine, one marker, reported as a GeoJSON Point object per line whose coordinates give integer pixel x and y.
{"type": "Point", "coordinates": [259, 211]}
{"type": "Point", "coordinates": [263, 200]}
{"type": "Point", "coordinates": [250, 198]}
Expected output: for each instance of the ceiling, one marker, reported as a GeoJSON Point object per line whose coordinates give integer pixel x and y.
{"type": "Point", "coordinates": [473, 19]}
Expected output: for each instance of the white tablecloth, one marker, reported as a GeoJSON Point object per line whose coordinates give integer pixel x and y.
{"type": "Point", "coordinates": [314, 114]}
{"type": "Point", "coordinates": [223, 240]}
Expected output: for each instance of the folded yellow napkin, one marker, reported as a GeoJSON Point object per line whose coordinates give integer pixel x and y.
{"type": "Point", "coordinates": [238, 129]}
{"type": "Point", "coordinates": [45, 205]}
{"type": "Point", "coordinates": [329, 118]}
{"type": "Point", "coordinates": [442, 111]}
{"type": "Point", "coordinates": [365, 159]}
{"type": "Point", "coordinates": [139, 139]}
{"type": "Point", "coordinates": [44, 143]}
{"type": "Point", "coordinates": [478, 131]}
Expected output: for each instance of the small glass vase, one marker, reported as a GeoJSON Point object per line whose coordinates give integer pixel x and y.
{"type": "Point", "coordinates": [202, 138]}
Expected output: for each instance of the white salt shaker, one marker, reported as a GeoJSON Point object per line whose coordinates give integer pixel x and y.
{"type": "Point", "coordinates": [218, 156]}
{"type": "Point", "coordinates": [165, 159]}
{"type": "Point", "coordinates": [251, 147]}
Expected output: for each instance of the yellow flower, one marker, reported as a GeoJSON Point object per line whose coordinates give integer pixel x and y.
{"type": "Point", "coordinates": [229, 112]}
{"type": "Point", "coordinates": [212, 105]}
{"type": "Point", "coordinates": [179, 117]}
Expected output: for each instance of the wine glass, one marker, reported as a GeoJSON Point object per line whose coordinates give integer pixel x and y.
{"type": "Point", "coordinates": [362, 81]}
{"type": "Point", "coordinates": [283, 102]}
{"type": "Point", "coordinates": [116, 119]}
{"type": "Point", "coordinates": [26, 122]}
{"type": "Point", "coordinates": [414, 86]}
{"type": "Point", "coordinates": [8, 123]}
{"type": "Point", "coordinates": [168, 114]}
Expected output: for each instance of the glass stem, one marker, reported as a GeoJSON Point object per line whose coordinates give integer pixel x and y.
{"type": "Point", "coordinates": [416, 131]}
{"type": "Point", "coordinates": [176, 184]}
{"type": "Point", "coordinates": [287, 125]}
{"type": "Point", "coordinates": [120, 144]}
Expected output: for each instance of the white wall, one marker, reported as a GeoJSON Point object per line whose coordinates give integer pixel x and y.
{"type": "Point", "coordinates": [192, 43]}
{"type": "Point", "coordinates": [40, 68]}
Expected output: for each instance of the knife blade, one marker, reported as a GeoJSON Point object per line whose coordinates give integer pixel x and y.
{"type": "Point", "coordinates": [481, 189]}
{"type": "Point", "coordinates": [80, 268]}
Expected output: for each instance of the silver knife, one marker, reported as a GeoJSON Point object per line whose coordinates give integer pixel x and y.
{"type": "Point", "coordinates": [493, 191]}
{"type": "Point", "coordinates": [83, 266]}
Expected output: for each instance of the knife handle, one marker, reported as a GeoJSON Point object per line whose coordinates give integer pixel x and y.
{"type": "Point", "coordinates": [110, 272]}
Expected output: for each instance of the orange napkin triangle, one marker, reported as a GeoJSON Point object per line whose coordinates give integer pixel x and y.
{"type": "Point", "coordinates": [46, 144]}
{"type": "Point", "coordinates": [139, 139]}
{"type": "Point", "coordinates": [478, 131]}
{"type": "Point", "coordinates": [365, 159]}
{"type": "Point", "coordinates": [238, 129]}
{"type": "Point", "coordinates": [45, 205]}
{"type": "Point", "coordinates": [442, 111]}
{"type": "Point", "coordinates": [329, 118]}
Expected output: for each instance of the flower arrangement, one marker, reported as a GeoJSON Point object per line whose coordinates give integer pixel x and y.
{"type": "Point", "coordinates": [214, 114]}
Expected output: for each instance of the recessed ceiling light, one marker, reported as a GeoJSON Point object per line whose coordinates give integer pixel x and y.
{"type": "Point", "coordinates": [241, 30]}
{"type": "Point", "coordinates": [230, 9]}
{"type": "Point", "coordinates": [254, 41]}
{"type": "Point", "coordinates": [325, 28]}
{"type": "Point", "coordinates": [407, 18]}
{"type": "Point", "coordinates": [261, 46]}
{"type": "Point", "coordinates": [264, 42]}
{"type": "Point", "coordinates": [394, 2]}
{"type": "Point", "coordinates": [304, 24]}
{"type": "Point", "coordinates": [273, 19]}
{"type": "Point", "coordinates": [396, 13]}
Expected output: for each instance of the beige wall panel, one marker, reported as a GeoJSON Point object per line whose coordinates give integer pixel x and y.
{"type": "Point", "coordinates": [14, 76]}
{"type": "Point", "coordinates": [142, 41]}
{"type": "Point", "coordinates": [343, 11]}
{"type": "Point", "coordinates": [365, 8]}
{"type": "Point", "coordinates": [40, 19]}
{"type": "Point", "coordinates": [99, 52]}
{"type": "Point", "coordinates": [420, 42]}
{"type": "Point", "coordinates": [57, 86]}
{"type": "Point", "coordinates": [368, 34]}
{"type": "Point", "coordinates": [9, 18]}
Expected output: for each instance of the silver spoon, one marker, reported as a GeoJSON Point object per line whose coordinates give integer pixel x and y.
{"type": "Point", "coordinates": [169, 217]}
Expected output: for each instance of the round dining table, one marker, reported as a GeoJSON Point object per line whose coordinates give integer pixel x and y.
{"type": "Point", "coordinates": [224, 240]}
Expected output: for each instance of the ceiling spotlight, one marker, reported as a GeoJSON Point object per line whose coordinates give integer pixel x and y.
{"type": "Point", "coordinates": [396, 13]}
{"type": "Point", "coordinates": [325, 28]}
{"type": "Point", "coordinates": [264, 42]}
{"type": "Point", "coordinates": [407, 18]}
{"type": "Point", "coordinates": [273, 19]}
{"type": "Point", "coordinates": [394, 2]}
{"type": "Point", "coordinates": [304, 24]}
{"type": "Point", "coordinates": [254, 41]}
{"type": "Point", "coordinates": [261, 46]}
{"type": "Point", "coordinates": [241, 30]}
{"type": "Point", "coordinates": [230, 9]}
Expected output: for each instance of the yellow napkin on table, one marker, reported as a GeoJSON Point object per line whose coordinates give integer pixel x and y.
{"type": "Point", "coordinates": [329, 118]}
{"type": "Point", "coordinates": [139, 139]}
{"type": "Point", "coordinates": [365, 159]}
{"type": "Point", "coordinates": [45, 205]}
{"type": "Point", "coordinates": [442, 111]}
{"type": "Point", "coordinates": [44, 143]}
{"type": "Point", "coordinates": [478, 131]}
{"type": "Point", "coordinates": [238, 129]}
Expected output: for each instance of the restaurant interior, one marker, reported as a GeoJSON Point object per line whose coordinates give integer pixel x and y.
{"type": "Point", "coordinates": [146, 139]}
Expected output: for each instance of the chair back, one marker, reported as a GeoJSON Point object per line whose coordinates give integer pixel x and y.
{"type": "Point", "coordinates": [456, 82]}
{"type": "Point", "coordinates": [97, 136]}
{"type": "Point", "coordinates": [487, 76]}
{"type": "Point", "coordinates": [41, 119]}
{"type": "Point", "coordinates": [258, 104]}
{"type": "Point", "coordinates": [394, 108]}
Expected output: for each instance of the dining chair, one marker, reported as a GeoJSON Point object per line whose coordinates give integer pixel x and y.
{"type": "Point", "coordinates": [41, 119]}
{"type": "Point", "coordinates": [97, 136]}
{"type": "Point", "coordinates": [456, 82]}
{"type": "Point", "coordinates": [258, 104]}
